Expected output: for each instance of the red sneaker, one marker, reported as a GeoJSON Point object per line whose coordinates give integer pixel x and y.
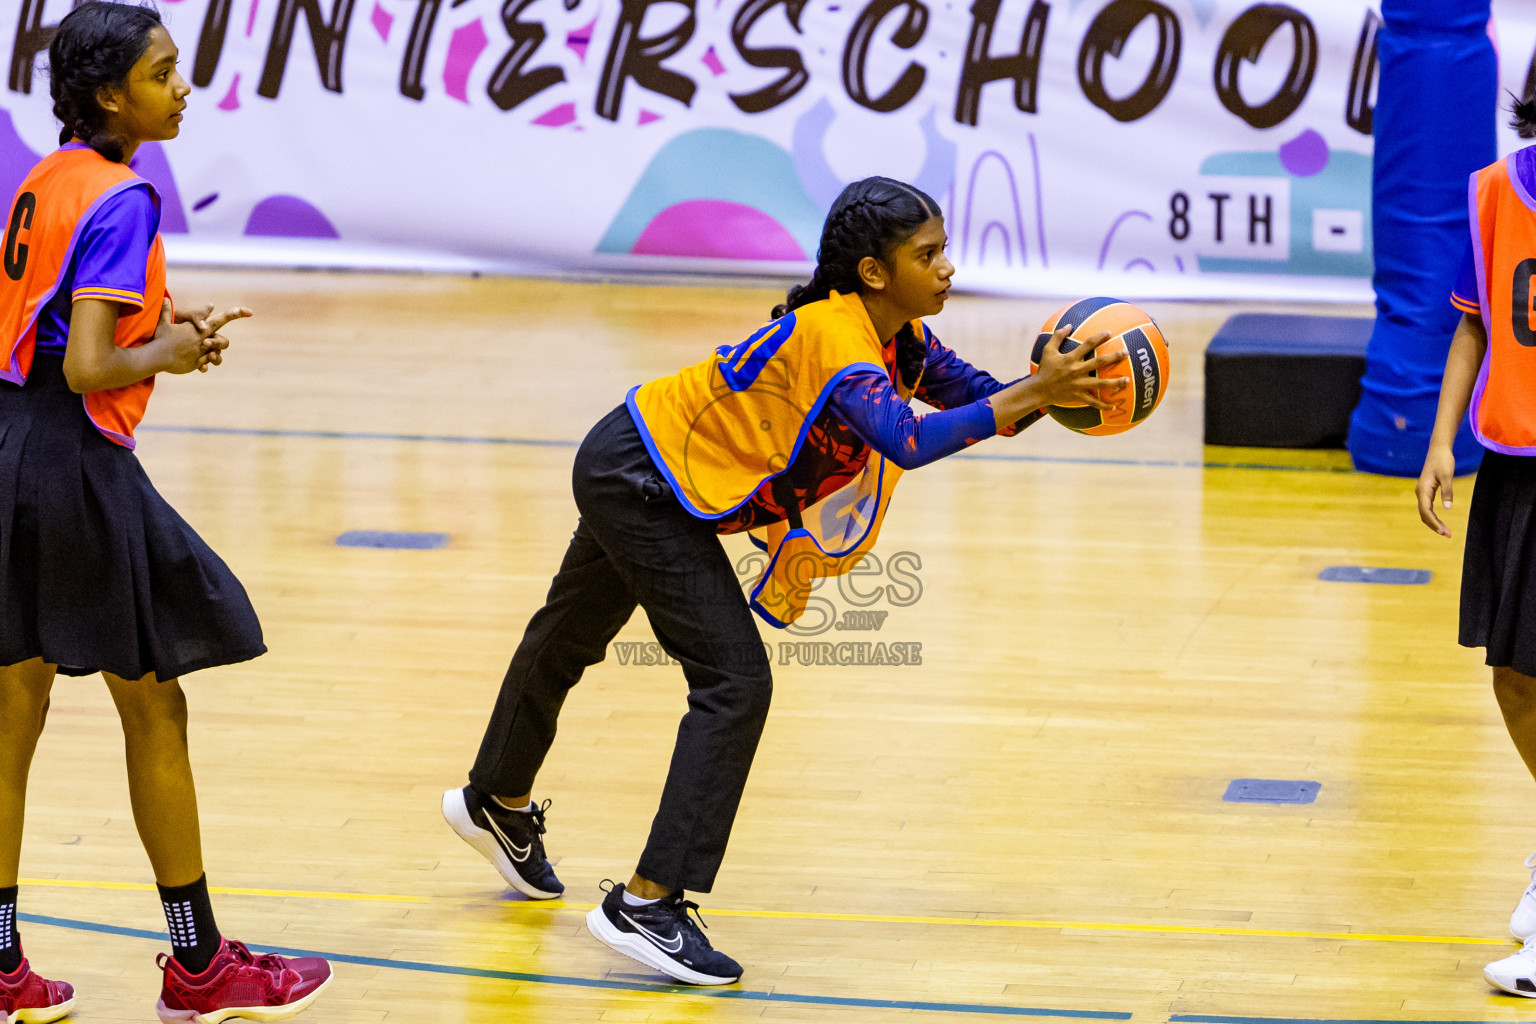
{"type": "Point", "coordinates": [240, 984]}
{"type": "Point", "coordinates": [28, 998]}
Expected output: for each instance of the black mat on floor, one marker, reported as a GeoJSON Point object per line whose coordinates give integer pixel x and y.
{"type": "Point", "coordinates": [1277, 380]}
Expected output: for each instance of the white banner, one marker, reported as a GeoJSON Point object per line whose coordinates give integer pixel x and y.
{"type": "Point", "coordinates": [1200, 148]}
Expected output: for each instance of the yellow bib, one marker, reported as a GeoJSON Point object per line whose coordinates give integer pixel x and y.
{"type": "Point", "coordinates": [718, 430]}
{"type": "Point", "coordinates": [836, 533]}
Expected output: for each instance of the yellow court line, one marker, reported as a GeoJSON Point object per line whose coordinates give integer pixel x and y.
{"type": "Point", "coordinates": [560, 906]}
{"type": "Point", "coordinates": [1110, 926]}
{"type": "Point", "coordinates": [367, 897]}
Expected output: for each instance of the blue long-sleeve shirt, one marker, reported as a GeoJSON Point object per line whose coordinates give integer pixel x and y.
{"type": "Point", "coordinates": [864, 412]}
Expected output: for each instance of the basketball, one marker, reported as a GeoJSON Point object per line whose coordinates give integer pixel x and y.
{"type": "Point", "coordinates": [1132, 332]}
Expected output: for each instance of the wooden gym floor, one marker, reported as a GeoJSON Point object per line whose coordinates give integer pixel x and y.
{"type": "Point", "coordinates": [1030, 822]}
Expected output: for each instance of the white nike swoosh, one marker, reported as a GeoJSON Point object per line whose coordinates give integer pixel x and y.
{"type": "Point", "coordinates": [519, 853]}
{"type": "Point", "coordinates": [674, 947]}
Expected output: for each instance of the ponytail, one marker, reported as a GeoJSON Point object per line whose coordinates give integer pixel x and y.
{"type": "Point", "coordinates": [871, 217]}
{"type": "Point", "coordinates": [99, 139]}
{"type": "Point", "coordinates": [1524, 121]}
{"type": "Point", "coordinates": [911, 356]}
{"type": "Point", "coordinates": [799, 295]}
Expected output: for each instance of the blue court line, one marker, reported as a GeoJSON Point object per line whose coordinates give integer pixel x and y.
{"type": "Point", "coordinates": [1154, 463]}
{"type": "Point", "coordinates": [356, 435]}
{"type": "Point", "coordinates": [1375, 574]}
{"type": "Point", "coordinates": [604, 983]}
{"type": "Point", "coordinates": [536, 442]}
{"type": "Point", "coordinates": [1272, 791]}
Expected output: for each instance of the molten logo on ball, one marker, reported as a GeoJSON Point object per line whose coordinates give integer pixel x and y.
{"type": "Point", "coordinates": [1149, 381]}
{"type": "Point", "coordinates": [1132, 333]}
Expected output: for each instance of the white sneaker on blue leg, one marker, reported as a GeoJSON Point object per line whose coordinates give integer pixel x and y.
{"type": "Point", "coordinates": [1522, 923]}
{"type": "Point", "coordinates": [1515, 974]}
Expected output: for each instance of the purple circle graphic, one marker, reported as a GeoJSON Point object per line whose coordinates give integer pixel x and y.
{"type": "Point", "coordinates": [1305, 155]}
{"type": "Point", "coordinates": [289, 217]}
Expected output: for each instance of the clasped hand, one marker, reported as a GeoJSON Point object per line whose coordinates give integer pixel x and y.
{"type": "Point", "coordinates": [192, 337]}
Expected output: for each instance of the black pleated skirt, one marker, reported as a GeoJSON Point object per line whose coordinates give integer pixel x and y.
{"type": "Point", "coordinates": [1498, 576]}
{"type": "Point", "coordinates": [97, 572]}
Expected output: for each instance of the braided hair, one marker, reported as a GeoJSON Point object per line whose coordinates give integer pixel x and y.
{"type": "Point", "coordinates": [871, 217]}
{"type": "Point", "coordinates": [95, 47]}
{"type": "Point", "coordinates": [1524, 121]}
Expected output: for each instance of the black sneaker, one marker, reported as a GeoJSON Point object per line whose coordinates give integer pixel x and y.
{"type": "Point", "coordinates": [511, 840]}
{"type": "Point", "coordinates": [663, 936]}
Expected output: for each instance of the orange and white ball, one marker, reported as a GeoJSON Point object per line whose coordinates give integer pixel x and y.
{"type": "Point", "coordinates": [1146, 364]}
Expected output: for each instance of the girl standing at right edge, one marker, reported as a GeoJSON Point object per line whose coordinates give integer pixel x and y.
{"type": "Point", "coordinates": [1491, 369]}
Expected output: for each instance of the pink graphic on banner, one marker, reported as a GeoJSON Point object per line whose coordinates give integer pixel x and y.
{"type": "Point", "coordinates": [250, 22]}
{"type": "Point", "coordinates": [231, 100]}
{"type": "Point", "coordinates": [465, 46]}
{"type": "Point", "coordinates": [1306, 155]}
{"type": "Point", "coordinates": [647, 116]}
{"type": "Point", "coordinates": [383, 21]}
{"type": "Point", "coordinates": [712, 61]}
{"type": "Point", "coordinates": [578, 41]}
{"type": "Point", "coordinates": [714, 227]}
{"type": "Point", "coordinates": [289, 217]}
{"type": "Point", "coordinates": [557, 117]}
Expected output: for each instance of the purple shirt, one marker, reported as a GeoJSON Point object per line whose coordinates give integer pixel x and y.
{"type": "Point", "coordinates": [1464, 296]}
{"type": "Point", "coordinates": [109, 262]}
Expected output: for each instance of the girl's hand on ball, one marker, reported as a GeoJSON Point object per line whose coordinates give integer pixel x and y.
{"type": "Point", "coordinates": [1069, 376]}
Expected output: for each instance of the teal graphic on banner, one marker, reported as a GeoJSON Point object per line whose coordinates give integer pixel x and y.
{"type": "Point", "coordinates": [716, 192]}
{"type": "Point", "coordinates": [1323, 196]}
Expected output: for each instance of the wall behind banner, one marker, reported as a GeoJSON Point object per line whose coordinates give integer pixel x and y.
{"type": "Point", "coordinates": [1201, 148]}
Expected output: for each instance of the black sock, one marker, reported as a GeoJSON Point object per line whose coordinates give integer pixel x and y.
{"type": "Point", "coordinates": [10, 942]}
{"type": "Point", "coordinates": [189, 916]}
